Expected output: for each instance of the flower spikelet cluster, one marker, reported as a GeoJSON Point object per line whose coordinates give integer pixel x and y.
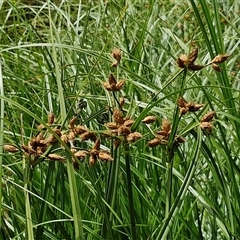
{"type": "Point", "coordinates": [185, 61]}
{"type": "Point", "coordinates": [38, 146]}
{"type": "Point", "coordinates": [121, 128]}
{"type": "Point", "coordinates": [187, 106]}
{"type": "Point", "coordinates": [219, 59]}
{"type": "Point", "coordinates": [117, 55]}
{"type": "Point", "coordinates": [112, 84]}
{"type": "Point", "coordinates": [206, 122]}
{"type": "Point", "coordinates": [162, 136]}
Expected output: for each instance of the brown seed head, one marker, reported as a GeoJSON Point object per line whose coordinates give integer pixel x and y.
{"type": "Point", "coordinates": [107, 86]}
{"type": "Point", "coordinates": [112, 80]}
{"type": "Point", "coordinates": [181, 61]}
{"type": "Point", "coordinates": [183, 110]}
{"type": "Point", "coordinates": [71, 135]}
{"type": "Point", "coordinates": [118, 116]}
{"type": "Point", "coordinates": [50, 118]}
{"type": "Point", "coordinates": [40, 136]}
{"type": "Point", "coordinates": [132, 137]}
{"type": "Point", "coordinates": [162, 134]}
{"type": "Point", "coordinates": [179, 139]}
{"type": "Point", "coordinates": [114, 64]}
{"type": "Point", "coordinates": [116, 143]}
{"type": "Point", "coordinates": [55, 157]}
{"type": "Point", "coordinates": [193, 56]}
{"type": "Point", "coordinates": [123, 130]}
{"type": "Point", "coordinates": [181, 102]}
{"type": "Point", "coordinates": [154, 142]}
{"type": "Point", "coordinates": [166, 126]}
{"type": "Point", "coordinates": [208, 117]}
{"type": "Point", "coordinates": [105, 156]}
{"type": "Point", "coordinates": [207, 127]}
{"type": "Point", "coordinates": [216, 67]}
{"type": "Point", "coordinates": [112, 125]}
{"type": "Point", "coordinates": [121, 101]}
{"type": "Point", "coordinates": [10, 148]}
{"type": "Point", "coordinates": [128, 122]}
{"type": "Point", "coordinates": [58, 132]}
{"type": "Point", "coordinates": [80, 129]}
{"type": "Point", "coordinates": [81, 154]}
{"type": "Point", "coordinates": [97, 145]}
{"type": "Point", "coordinates": [64, 138]}
{"type": "Point", "coordinates": [41, 127]}
{"type": "Point", "coordinates": [220, 58]}
{"type": "Point", "coordinates": [117, 54]}
{"type": "Point", "coordinates": [195, 107]}
{"type": "Point", "coordinates": [194, 67]}
{"type": "Point", "coordinates": [72, 122]}
{"type": "Point", "coordinates": [92, 160]}
{"type": "Point", "coordinates": [88, 135]}
{"type": "Point", "coordinates": [149, 119]}
{"type": "Point", "coordinates": [119, 85]}
{"type": "Point", "coordinates": [25, 148]}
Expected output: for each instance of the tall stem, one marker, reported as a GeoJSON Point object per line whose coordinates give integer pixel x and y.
{"type": "Point", "coordinates": [130, 194]}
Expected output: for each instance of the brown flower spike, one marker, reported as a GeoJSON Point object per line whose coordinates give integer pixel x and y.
{"type": "Point", "coordinates": [112, 85]}
{"type": "Point", "coordinates": [187, 106]}
{"type": "Point", "coordinates": [117, 55]}
{"type": "Point", "coordinates": [206, 122]}
{"type": "Point", "coordinates": [219, 59]}
{"type": "Point", "coordinates": [163, 135]}
{"type": "Point", "coordinates": [185, 61]}
{"type": "Point", "coordinates": [122, 127]}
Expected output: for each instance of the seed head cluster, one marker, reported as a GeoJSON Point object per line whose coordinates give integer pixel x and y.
{"type": "Point", "coordinates": [50, 141]}
{"type": "Point", "coordinates": [184, 61]}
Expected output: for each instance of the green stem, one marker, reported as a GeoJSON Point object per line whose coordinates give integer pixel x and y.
{"type": "Point", "coordinates": [111, 192]}
{"type": "Point", "coordinates": [130, 194]}
{"type": "Point", "coordinates": [1, 132]}
{"type": "Point", "coordinates": [74, 199]}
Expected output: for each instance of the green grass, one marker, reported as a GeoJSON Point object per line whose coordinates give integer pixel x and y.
{"type": "Point", "coordinates": [55, 57]}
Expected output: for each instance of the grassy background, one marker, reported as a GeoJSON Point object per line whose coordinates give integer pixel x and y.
{"type": "Point", "coordinates": [55, 56]}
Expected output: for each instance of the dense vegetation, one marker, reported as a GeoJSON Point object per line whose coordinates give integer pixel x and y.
{"type": "Point", "coordinates": [120, 119]}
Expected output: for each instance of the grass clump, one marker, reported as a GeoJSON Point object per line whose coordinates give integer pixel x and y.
{"type": "Point", "coordinates": [119, 121]}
